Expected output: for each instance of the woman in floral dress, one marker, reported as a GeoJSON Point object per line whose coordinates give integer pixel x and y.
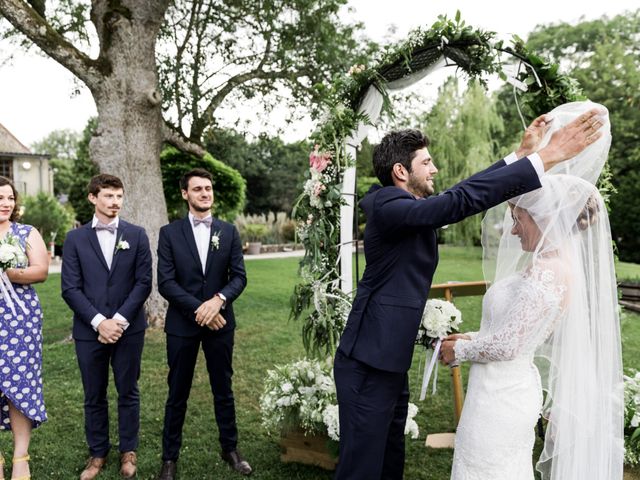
{"type": "Point", "coordinates": [21, 401]}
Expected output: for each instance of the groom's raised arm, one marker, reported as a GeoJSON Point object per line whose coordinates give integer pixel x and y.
{"type": "Point", "coordinates": [396, 209]}
{"type": "Point", "coordinates": [168, 287]}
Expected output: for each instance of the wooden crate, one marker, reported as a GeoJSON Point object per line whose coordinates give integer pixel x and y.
{"type": "Point", "coordinates": [307, 449]}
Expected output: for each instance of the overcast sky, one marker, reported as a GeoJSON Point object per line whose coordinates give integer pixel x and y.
{"type": "Point", "coordinates": [37, 95]}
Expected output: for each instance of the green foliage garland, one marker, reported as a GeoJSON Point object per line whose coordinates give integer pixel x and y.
{"type": "Point", "coordinates": [317, 299]}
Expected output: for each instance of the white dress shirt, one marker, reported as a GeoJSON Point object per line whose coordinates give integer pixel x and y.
{"type": "Point", "coordinates": [107, 241]}
{"type": "Point", "coordinates": [534, 158]}
{"type": "Point", "coordinates": [202, 235]}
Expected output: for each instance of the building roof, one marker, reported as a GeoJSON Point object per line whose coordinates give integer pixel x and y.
{"type": "Point", "coordinates": [10, 144]}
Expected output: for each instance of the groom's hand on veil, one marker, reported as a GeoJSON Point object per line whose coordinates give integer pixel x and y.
{"type": "Point", "coordinates": [533, 135]}
{"type": "Point", "coordinates": [573, 138]}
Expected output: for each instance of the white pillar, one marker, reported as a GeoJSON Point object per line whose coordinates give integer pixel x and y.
{"type": "Point", "coordinates": [346, 225]}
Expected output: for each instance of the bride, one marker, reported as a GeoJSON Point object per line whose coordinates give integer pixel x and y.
{"type": "Point", "coordinates": [549, 323]}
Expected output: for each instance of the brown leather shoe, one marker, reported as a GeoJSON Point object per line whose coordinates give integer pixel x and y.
{"type": "Point", "coordinates": [236, 462]}
{"type": "Point", "coordinates": [128, 462]}
{"type": "Point", "coordinates": [93, 468]}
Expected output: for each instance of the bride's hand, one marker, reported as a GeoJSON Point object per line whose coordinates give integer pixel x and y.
{"type": "Point", "coordinates": [447, 351]}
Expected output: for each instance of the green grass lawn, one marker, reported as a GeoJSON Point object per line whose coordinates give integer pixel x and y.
{"type": "Point", "coordinates": [264, 338]}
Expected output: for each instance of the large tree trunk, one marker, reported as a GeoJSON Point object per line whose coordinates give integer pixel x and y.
{"type": "Point", "coordinates": [124, 83]}
{"type": "Point", "coordinates": [129, 134]}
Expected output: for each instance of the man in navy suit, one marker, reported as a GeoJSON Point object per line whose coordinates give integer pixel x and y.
{"type": "Point", "coordinates": [401, 253]}
{"type": "Point", "coordinates": [200, 272]}
{"type": "Point", "coordinates": [106, 278]}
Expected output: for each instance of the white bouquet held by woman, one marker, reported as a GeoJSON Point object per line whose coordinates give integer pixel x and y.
{"type": "Point", "coordinates": [11, 256]}
{"type": "Point", "coordinates": [439, 319]}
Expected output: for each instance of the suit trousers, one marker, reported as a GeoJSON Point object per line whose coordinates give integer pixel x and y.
{"type": "Point", "coordinates": [93, 359]}
{"type": "Point", "coordinates": [373, 411]}
{"type": "Point", "coordinates": [182, 353]}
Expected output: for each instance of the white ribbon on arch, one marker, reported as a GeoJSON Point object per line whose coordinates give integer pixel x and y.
{"type": "Point", "coordinates": [371, 106]}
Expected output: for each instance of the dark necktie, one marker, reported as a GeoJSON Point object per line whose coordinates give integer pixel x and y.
{"type": "Point", "coordinates": [205, 221]}
{"type": "Point", "coordinates": [111, 228]}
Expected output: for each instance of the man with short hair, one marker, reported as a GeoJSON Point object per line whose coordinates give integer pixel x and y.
{"type": "Point", "coordinates": [376, 347]}
{"type": "Point", "coordinates": [200, 272]}
{"type": "Point", "coordinates": [106, 278]}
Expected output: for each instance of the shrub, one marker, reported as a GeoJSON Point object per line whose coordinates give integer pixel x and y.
{"type": "Point", "coordinates": [228, 185]}
{"type": "Point", "coordinates": [52, 219]}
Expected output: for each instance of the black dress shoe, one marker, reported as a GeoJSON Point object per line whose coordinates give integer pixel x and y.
{"type": "Point", "coordinates": [236, 462]}
{"type": "Point", "coordinates": [168, 470]}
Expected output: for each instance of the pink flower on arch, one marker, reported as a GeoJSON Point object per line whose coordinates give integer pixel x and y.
{"type": "Point", "coordinates": [319, 161]}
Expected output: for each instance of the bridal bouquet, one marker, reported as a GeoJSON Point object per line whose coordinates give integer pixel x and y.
{"type": "Point", "coordinates": [439, 319]}
{"type": "Point", "coordinates": [11, 253]}
{"type": "Point", "coordinates": [11, 256]}
{"type": "Point", "coordinates": [632, 419]}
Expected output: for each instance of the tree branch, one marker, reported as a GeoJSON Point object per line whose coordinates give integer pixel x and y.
{"type": "Point", "coordinates": [173, 137]}
{"type": "Point", "coordinates": [25, 19]}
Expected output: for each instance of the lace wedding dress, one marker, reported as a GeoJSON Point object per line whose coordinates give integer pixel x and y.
{"type": "Point", "coordinates": [495, 436]}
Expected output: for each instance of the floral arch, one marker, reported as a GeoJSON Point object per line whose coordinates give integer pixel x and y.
{"type": "Point", "coordinates": [354, 102]}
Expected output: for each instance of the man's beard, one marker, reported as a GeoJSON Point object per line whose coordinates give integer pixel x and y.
{"type": "Point", "coordinates": [421, 189]}
{"type": "Point", "coordinates": [198, 208]}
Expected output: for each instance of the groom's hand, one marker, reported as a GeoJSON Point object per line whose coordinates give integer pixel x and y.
{"type": "Point", "coordinates": [533, 135]}
{"type": "Point", "coordinates": [208, 310]}
{"type": "Point", "coordinates": [110, 330]}
{"type": "Point", "coordinates": [217, 323]}
{"type": "Point", "coordinates": [573, 138]}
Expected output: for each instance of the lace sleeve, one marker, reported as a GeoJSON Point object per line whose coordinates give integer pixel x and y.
{"type": "Point", "coordinates": [530, 320]}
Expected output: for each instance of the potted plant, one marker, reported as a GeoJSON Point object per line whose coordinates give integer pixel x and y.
{"type": "Point", "coordinates": [299, 404]}
{"type": "Point", "coordinates": [255, 233]}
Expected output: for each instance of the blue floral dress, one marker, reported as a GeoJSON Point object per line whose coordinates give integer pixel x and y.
{"type": "Point", "coordinates": [21, 350]}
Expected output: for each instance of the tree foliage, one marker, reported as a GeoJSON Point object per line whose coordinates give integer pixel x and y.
{"type": "Point", "coordinates": [462, 126]}
{"type": "Point", "coordinates": [52, 219]}
{"type": "Point", "coordinates": [272, 169]}
{"type": "Point", "coordinates": [222, 53]}
{"type": "Point", "coordinates": [62, 145]}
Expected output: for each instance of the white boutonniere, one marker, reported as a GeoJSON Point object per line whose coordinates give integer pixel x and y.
{"type": "Point", "coordinates": [215, 241]}
{"type": "Point", "coordinates": [122, 245]}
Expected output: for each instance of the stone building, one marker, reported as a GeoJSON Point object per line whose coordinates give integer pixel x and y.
{"type": "Point", "coordinates": [30, 172]}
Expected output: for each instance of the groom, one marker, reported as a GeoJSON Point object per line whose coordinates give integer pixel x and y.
{"type": "Point", "coordinates": [200, 272]}
{"type": "Point", "coordinates": [106, 278]}
{"type": "Point", "coordinates": [401, 252]}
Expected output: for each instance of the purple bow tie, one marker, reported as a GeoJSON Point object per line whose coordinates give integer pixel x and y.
{"type": "Point", "coordinates": [111, 228]}
{"type": "Point", "coordinates": [205, 221]}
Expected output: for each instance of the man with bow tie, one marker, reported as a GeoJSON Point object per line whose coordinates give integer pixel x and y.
{"type": "Point", "coordinates": [106, 278]}
{"type": "Point", "coordinates": [200, 272]}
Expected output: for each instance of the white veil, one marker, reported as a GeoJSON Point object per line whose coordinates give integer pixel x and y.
{"type": "Point", "coordinates": [580, 362]}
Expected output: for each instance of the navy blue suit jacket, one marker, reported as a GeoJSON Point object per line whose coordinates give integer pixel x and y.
{"type": "Point", "coordinates": [402, 254]}
{"type": "Point", "coordinates": [89, 287]}
{"type": "Point", "coordinates": [180, 277]}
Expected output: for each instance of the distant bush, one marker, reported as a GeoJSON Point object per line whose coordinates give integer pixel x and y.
{"type": "Point", "coordinates": [51, 218]}
{"type": "Point", "coordinates": [228, 185]}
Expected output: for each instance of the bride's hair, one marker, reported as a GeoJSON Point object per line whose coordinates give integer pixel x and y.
{"type": "Point", "coordinates": [589, 214]}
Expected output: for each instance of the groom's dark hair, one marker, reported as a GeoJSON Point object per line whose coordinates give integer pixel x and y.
{"type": "Point", "coordinates": [396, 147]}
{"type": "Point", "coordinates": [196, 172]}
{"type": "Point", "coordinates": [103, 180]}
